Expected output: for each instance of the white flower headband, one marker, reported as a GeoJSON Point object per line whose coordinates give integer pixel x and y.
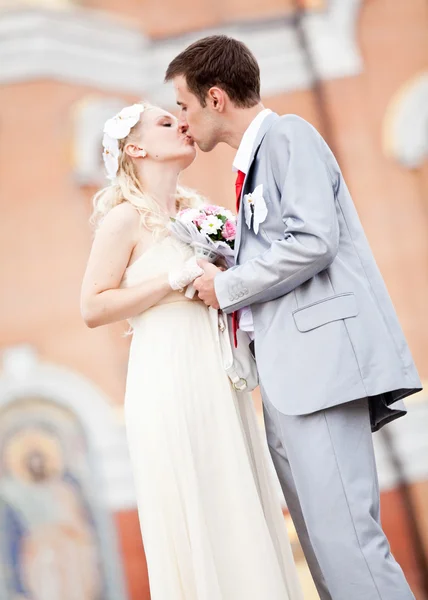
{"type": "Point", "coordinates": [117, 129]}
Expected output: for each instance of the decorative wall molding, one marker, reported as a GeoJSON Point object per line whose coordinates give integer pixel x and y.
{"type": "Point", "coordinates": [55, 4]}
{"type": "Point", "coordinates": [91, 48]}
{"type": "Point", "coordinates": [23, 374]}
{"type": "Point", "coordinates": [405, 129]}
{"type": "Point", "coordinates": [333, 39]}
{"type": "Point", "coordinates": [76, 46]}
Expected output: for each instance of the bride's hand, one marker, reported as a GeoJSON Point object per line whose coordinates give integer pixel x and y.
{"type": "Point", "coordinates": [181, 278]}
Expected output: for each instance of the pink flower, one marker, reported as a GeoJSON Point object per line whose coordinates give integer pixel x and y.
{"type": "Point", "coordinates": [229, 231]}
{"type": "Point", "coordinates": [199, 220]}
{"type": "Point", "coordinates": [211, 209]}
{"type": "Point", "coordinates": [188, 215]}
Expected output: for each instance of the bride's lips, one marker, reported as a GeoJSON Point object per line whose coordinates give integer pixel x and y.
{"type": "Point", "coordinates": [188, 139]}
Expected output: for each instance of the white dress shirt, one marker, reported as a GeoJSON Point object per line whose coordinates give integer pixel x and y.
{"type": "Point", "coordinates": [242, 163]}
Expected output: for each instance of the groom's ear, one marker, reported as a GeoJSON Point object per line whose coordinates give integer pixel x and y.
{"type": "Point", "coordinates": [216, 97]}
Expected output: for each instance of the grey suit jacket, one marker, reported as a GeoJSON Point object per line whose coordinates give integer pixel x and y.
{"type": "Point", "coordinates": [326, 331]}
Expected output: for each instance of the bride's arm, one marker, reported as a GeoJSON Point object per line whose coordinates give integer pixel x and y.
{"type": "Point", "coordinates": [102, 300]}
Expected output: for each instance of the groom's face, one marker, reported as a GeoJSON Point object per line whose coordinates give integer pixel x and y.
{"type": "Point", "coordinates": [199, 122]}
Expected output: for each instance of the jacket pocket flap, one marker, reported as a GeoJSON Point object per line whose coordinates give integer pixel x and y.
{"type": "Point", "coordinates": [342, 306]}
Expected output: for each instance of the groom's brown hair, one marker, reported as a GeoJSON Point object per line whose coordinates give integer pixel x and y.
{"type": "Point", "coordinates": [219, 61]}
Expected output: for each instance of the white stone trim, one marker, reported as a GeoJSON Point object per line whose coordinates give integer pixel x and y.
{"type": "Point", "coordinates": [405, 129]}
{"type": "Point", "coordinates": [90, 48]}
{"type": "Point", "coordinates": [77, 46]}
{"type": "Point", "coordinates": [23, 374]}
{"type": "Point", "coordinates": [333, 39]}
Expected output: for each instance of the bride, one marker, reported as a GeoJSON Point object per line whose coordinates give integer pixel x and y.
{"type": "Point", "coordinates": [210, 517]}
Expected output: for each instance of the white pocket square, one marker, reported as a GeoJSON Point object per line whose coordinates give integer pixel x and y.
{"type": "Point", "coordinates": [255, 209]}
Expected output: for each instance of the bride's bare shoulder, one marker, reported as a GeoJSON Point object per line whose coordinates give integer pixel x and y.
{"type": "Point", "coordinates": [123, 218]}
{"type": "Point", "coordinates": [123, 214]}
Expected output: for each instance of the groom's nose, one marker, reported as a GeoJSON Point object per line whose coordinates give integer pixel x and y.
{"type": "Point", "coordinates": [183, 127]}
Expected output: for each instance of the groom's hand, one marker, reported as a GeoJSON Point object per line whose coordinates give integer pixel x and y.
{"type": "Point", "coordinates": [205, 283]}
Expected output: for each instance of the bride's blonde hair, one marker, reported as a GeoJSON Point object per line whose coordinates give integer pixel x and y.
{"type": "Point", "coordinates": [126, 187]}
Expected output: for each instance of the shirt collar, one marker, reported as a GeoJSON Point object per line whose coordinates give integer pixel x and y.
{"type": "Point", "coordinates": [243, 155]}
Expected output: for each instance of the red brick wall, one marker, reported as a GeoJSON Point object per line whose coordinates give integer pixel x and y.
{"type": "Point", "coordinates": [396, 526]}
{"type": "Point", "coordinates": [132, 551]}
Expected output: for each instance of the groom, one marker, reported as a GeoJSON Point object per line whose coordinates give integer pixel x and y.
{"type": "Point", "coordinates": [332, 359]}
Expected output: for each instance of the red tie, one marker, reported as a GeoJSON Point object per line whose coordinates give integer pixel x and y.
{"type": "Point", "coordinates": [238, 186]}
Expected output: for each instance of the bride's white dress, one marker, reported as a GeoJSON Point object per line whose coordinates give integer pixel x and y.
{"type": "Point", "coordinates": [210, 516]}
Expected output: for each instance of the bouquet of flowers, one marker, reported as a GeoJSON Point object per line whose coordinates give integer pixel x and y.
{"type": "Point", "coordinates": [210, 230]}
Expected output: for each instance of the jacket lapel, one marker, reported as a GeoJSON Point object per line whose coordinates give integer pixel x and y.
{"type": "Point", "coordinates": [266, 125]}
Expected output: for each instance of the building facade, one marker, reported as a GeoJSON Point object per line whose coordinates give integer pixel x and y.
{"type": "Point", "coordinates": [357, 70]}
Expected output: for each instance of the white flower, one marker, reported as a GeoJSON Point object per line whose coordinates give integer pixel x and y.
{"type": "Point", "coordinates": [111, 156]}
{"type": "Point", "coordinates": [211, 224]}
{"type": "Point", "coordinates": [228, 214]}
{"type": "Point", "coordinates": [188, 215]}
{"type": "Point", "coordinates": [120, 125]}
{"type": "Point", "coordinates": [255, 209]}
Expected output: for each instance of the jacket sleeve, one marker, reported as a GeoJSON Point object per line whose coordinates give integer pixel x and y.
{"type": "Point", "coordinates": [298, 158]}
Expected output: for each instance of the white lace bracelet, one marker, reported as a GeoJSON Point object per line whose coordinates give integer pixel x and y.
{"type": "Point", "coordinates": [178, 280]}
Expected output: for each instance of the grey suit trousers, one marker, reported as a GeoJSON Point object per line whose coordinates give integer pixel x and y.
{"type": "Point", "coordinates": [326, 466]}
